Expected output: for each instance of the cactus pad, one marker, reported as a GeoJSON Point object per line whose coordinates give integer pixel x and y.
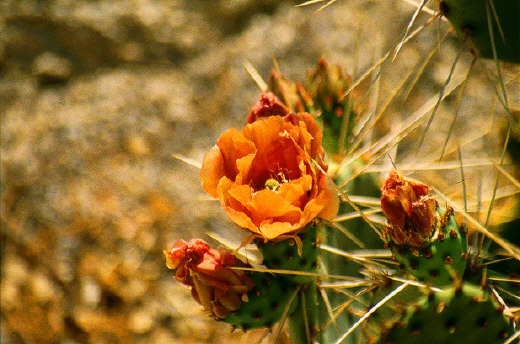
{"type": "Point", "coordinates": [267, 302]}
{"type": "Point", "coordinates": [284, 255]}
{"type": "Point", "coordinates": [457, 315]}
{"type": "Point", "coordinates": [440, 260]}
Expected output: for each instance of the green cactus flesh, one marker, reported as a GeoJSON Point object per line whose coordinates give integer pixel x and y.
{"type": "Point", "coordinates": [471, 17]}
{"type": "Point", "coordinates": [442, 259]}
{"type": "Point", "coordinates": [284, 255]}
{"type": "Point", "coordinates": [456, 315]}
{"type": "Point", "coordinates": [266, 302]}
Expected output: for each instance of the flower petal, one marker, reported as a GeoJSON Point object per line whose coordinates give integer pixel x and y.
{"type": "Point", "coordinates": [271, 230]}
{"type": "Point", "coordinates": [267, 204]}
{"type": "Point", "coordinates": [329, 197]}
{"type": "Point", "coordinates": [212, 170]}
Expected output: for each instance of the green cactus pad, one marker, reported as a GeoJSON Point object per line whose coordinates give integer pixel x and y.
{"type": "Point", "coordinates": [464, 315]}
{"type": "Point", "coordinates": [470, 17]}
{"type": "Point", "coordinates": [267, 302]}
{"type": "Point", "coordinates": [284, 255]}
{"type": "Point", "coordinates": [440, 260]}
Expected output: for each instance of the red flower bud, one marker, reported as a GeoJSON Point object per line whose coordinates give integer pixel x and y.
{"type": "Point", "coordinates": [409, 209]}
{"type": "Point", "coordinates": [267, 106]}
{"type": "Point", "coordinates": [208, 272]}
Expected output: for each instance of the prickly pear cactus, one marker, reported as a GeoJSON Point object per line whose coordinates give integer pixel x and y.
{"type": "Point", "coordinates": [464, 314]}
{"type": "Point", "coordinates": [327, 85]}
{"type": "Point", "coordinates": [284, 255]}
{"type": "Point", "coordinates": [470, 17]}
{"type": "Point", "coordinates": [442, 259]}
{"type": "Point", "coordinates": [266, 303]}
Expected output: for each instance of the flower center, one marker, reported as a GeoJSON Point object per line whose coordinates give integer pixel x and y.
{"type": "Point", "coordinates": [272, 184]}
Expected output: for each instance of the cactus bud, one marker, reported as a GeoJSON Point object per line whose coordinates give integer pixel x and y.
{"type": "Point", "coordinates": [208, 272]}
{"type": "Point", "coordinates": [409, 210]}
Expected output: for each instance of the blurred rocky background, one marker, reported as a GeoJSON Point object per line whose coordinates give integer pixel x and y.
{"type": "Point", "coordinates": [96, 96]}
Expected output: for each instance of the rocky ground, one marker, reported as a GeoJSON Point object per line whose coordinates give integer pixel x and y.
{"type": "Point", "coordinates": [96, 96]}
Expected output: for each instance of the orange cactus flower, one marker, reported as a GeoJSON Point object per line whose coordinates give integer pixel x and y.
{"type": "Point", "coordinates": [270, 177]}
{"type": "Point", "coordinates": [214, 285]}
{"type": "Point", "coordinates": [409, 209]}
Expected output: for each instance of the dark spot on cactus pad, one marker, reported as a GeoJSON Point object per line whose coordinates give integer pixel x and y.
{"type": "Point", "coordinates": [416, 328]}
{"type": "Point", "coordinates": [453, 234]}
{"type": "Point", "coordinates": [482, 322]}
{"type": "Point", "coordinates": [303, 262]}
{"type": "Point", "coordinates": [441, 236]}
{"type": "Point", "coordinates": [468, 29]}
{"type": "Point", "coordinates": [434, 273]}
{"type": "Point", "coordinates": [267, 282]}
{"type": "Point", "coordinates": [275, 305]}
{"type": "Point", "coordinates": [452, 329]}
{"type": "Point", "coordinates": [450, 324]}
{"type": "Point", "coordinates": [427, 253]}
{"type": "Point", "coordinates": [502, 334]}
{"type": "Point", "coordinates": [258, 316]}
